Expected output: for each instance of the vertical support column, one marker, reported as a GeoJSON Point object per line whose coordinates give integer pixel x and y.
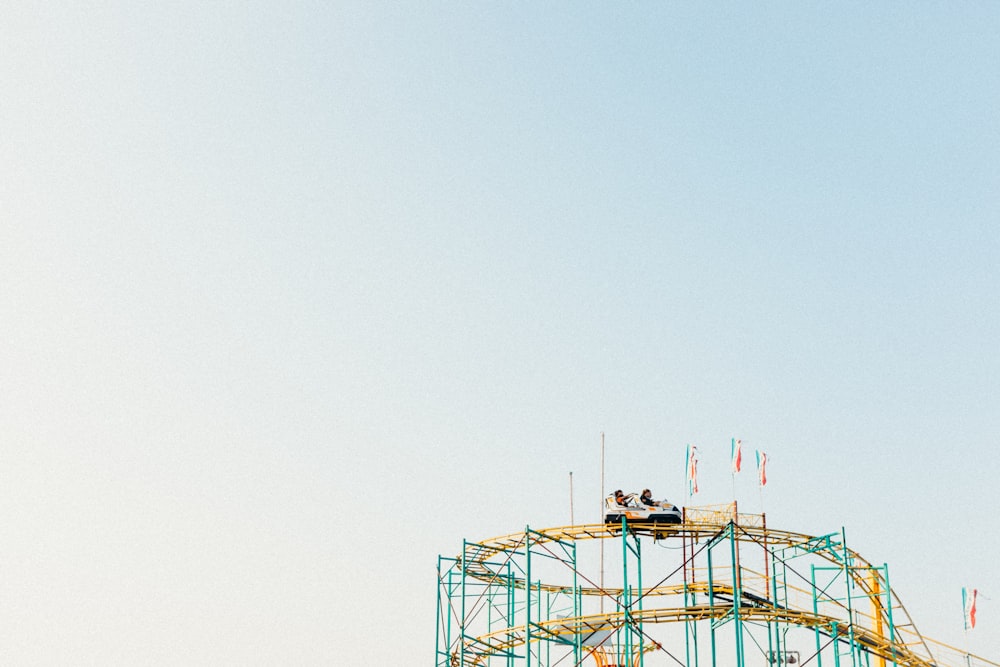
{"type": "Point", "coordinates": [819, 654]}
{"type": "Point", "coordinates": [461, 634]}
{"type": "Point", "coordinates": [772, 625]}
{"type": "Point", "coordinates": [711, 602]}
{"type": "Point", "coordinates": [548, 615]}
{"type": "Point", "coordinates": [490, 594]}
{"type": "Point", "coordinates": [638, 568]}
{"type": "Point", "coordinates": [539, 595]}
{"type": "Point", "coordinates": [737, 595]}
{"type": "Point", "coordinates": [876, 596]}
{"type": "Point", "coordinates": [511, 606]}
{"type": "Point", "coordinates": [527, 596]}
{"type": "Point", "coordinates": [625, 601]}
{"type": "Point", "coordinates": [849, 586]}
{"type": "Point", "coordinates": [773, 628]}
{"type": "Point", "coordinates": [836, 644]}
{"type": "Point", "coordinates": [577, 611]}
{"type": "Point", "coordinates": [767, 553]}
{"type": "Point", "coordinates": [437, 619]}
{"type": "Point", "coordinates": [738, 581]}
{"type": "Point", "coordinates": [690, 627]}
{"type": "Point", "coordinates": [888, 608]}
{"type": "Point", "coordinates": [685, 565]}
{"type": "Point", "coordinates": [454, 574]}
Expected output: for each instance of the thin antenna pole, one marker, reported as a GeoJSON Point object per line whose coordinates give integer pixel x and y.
{"type": "Point", "coordinates": [602, 520]}
{"type": "Point", "coordinates": [572, 520]}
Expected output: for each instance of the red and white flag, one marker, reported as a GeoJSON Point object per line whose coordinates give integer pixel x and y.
{"type": "Point", "coordinates": [761, 468]}
{"type": "Point", "coordinates": [737, 453]}
{"type": "Point", "coordinates": [969, 605]}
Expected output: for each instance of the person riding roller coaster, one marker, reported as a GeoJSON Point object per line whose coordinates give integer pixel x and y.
{"type": "Point", "coordinates": [640, 509]}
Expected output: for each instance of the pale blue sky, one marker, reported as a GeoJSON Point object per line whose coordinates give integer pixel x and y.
{"type": "Point", "coordinates": [296, 296]}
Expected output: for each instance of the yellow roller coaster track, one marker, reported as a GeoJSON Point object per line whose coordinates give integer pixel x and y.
{"type": "Point", "coordinates": [907, 647]}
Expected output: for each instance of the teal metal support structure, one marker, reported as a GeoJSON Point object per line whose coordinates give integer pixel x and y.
{"type": "Point", "coordinates": [523, 600]}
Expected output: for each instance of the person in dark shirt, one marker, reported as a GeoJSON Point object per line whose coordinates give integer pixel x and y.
{"type": "Point", "coordinates": [647, 498]}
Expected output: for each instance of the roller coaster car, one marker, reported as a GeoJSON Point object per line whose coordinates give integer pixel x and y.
{"type": "Point", "coordinates": [634, 511]}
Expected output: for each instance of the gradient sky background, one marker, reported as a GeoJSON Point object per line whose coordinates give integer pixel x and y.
{"type": "Point", "coordinates": [296, 296]}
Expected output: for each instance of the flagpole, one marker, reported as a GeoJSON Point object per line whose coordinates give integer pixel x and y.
{"type": "Point", "coordinates": [602, 520]}
{"type": "Point", "coordinates": [687, 480]}
{"type": "Point", "coordinates": [965, 624]}
{"type": "Point", "coordinates": [968, 658]}
{"type": "Point", "coordinates": [691, 472]}
{"type": "Point", "coordinates": [572, 519]}
{"type": "Point", "coordinates": [732, 466]}
{"type": "Point", "coordinates": [761, 463]}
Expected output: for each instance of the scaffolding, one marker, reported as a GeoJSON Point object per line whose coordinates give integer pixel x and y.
{"type": "Point", "coordinates": [719, 589]}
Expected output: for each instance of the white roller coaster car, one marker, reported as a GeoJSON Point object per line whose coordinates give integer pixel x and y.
{"type": "Point", "coordinates": [636, 511]}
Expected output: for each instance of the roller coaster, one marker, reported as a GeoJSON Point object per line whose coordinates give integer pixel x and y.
{"type": "Point", "coordinates": [718, 589]}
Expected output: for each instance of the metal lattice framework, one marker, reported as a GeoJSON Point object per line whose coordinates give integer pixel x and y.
{"type": "Point", "coordinates": [728, 590]}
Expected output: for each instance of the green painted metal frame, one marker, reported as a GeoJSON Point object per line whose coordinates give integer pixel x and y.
{"type": "Point", "coordinates": [468, 607]}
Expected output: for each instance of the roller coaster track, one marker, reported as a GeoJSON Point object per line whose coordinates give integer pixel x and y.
{"type": "Point", "coordinates": [503, 641]}
{"type": "Point", "coordinates": [906, 646]}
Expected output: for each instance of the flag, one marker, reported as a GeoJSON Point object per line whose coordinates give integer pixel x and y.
{"type": "Point", "coordinates": [969, 606]}
{"type": "Point", "coordinates": [737, 453]}
{"type": "Point", "coordinates": [761, 464]}
{"type": "Point", "coordinates": [692, 470]}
